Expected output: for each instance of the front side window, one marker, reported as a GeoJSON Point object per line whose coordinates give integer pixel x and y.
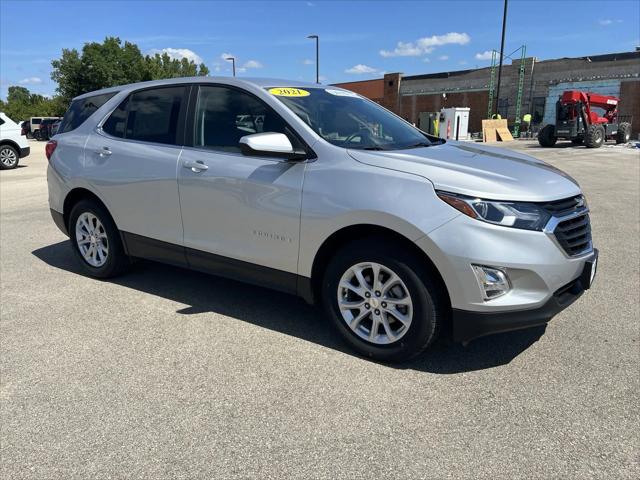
{"type": "Point", "coordinates": [149, 116]}
{"type": "Point", "coordinates": [80, 110]}
{"type": "Point", "coordinates": [225, 115]}
{"type": "Point", "coordinates": [348, 120]}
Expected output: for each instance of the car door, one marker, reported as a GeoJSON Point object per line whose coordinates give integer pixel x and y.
{"type": "Point", "coordinates": [131, 162]}
{"type": "Point", "coordinates": [238, 208]}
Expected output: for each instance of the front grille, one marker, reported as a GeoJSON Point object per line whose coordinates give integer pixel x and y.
{"type": "Point", "coordinates": [566, 206]}
{"type": "Point", "coordinates": [573, 234]}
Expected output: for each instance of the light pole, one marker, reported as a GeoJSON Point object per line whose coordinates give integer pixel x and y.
{"type": "Point", "coordinates": [233, 63]}
{"type": "Point", "coordinates": [504, 26]}
{"type": "Point", "coordinates": [317, 56]}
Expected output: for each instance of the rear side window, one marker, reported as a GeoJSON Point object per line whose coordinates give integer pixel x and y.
{"type": "Point", "coordinates": [116, 124]}
{"type": "Point", "coordinates": [81, 109]}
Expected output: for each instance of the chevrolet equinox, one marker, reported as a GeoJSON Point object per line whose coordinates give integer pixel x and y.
{"type": "Point", "coordinates": [316, 191]}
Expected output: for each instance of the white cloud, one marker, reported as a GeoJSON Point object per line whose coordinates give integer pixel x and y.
{"type": "Point", "coordinates": [178, 54]}
{"type": "Point", "coordinates": [306, 61]}
{"type": "Point", "coordinates": [224, 56]}
{"type": "Point", "coordinates": [30, 81]}
{"type": "Point", "coordinates": [443, 57]}
{"type": "Point", "coordinates": [359, 69]}
{"type": "Point", "coordinates": [486, 55]}
{"type": "Point", "coordinates": [426, 45]}
{"type": "Point", "coordinates": [605, 22]}
{"type": "Point", "coordinates": [403, 50]}
{"type": "Point", "coordinates": [426, 59]}
{"type": "Point", "coordinates": [462, 62]}
{"type": "Point", "coordinates": [252, 64]}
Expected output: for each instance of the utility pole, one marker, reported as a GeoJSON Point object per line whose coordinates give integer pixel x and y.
{"type": "Point", "coordinates": [233, 63]}
{"type": "Point", "coordinates": [317, 56]}
{"type": "Point", "coordinates": [504, 26]}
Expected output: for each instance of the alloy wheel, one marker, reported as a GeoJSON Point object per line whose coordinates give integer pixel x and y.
{"type": "Point", "coordinates": [8, 157]}
{"type": "Point", "coordinates": [91, 238]}
{"type": "Point", "coordinates": [375, 303]}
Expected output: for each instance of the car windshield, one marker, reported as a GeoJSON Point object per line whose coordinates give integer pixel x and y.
{"type": "Point", "coordinates": [347, 120]}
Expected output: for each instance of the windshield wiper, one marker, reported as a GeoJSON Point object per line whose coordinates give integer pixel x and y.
{"type": "Point", "coordinates": [417, 145]}
{"type": "Point", "coordinates": [374, 147]}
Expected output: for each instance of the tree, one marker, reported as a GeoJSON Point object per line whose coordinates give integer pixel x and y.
{"type": "Point", "coordinates": [112, 63]}
{"type": "Point", "coordinates": [163, 66]}
{"type": "Point", "coordinates": [22, 104]}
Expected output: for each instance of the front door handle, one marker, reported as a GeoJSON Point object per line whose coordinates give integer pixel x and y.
{"type": "Point", "coordinates": [196, 166]}
{"type": "Point", "coordinates": [104, 152]}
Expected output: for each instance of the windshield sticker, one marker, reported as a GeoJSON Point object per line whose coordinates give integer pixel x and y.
{"type": "Point", "coordinates": [288, 92]}
{"type": "Point", "coordinates": [342, 93]}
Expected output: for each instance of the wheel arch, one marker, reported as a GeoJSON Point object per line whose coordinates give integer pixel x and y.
{"type": "Point", "coordinates": [350, 233]}
{"type": "Point", "coordinates": [10, 143]}
{"type": "Point", "coordinates": [77, 194]}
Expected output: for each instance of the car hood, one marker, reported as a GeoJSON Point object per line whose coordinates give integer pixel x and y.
{"type": "Point", "coordinates": [478, 171]}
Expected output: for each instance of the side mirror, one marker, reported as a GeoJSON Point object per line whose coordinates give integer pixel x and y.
{"type": "Point", "coordinates": [270, 144]}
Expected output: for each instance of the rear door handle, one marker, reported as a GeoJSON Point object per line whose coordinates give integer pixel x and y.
{"type": "Point", "coordinates": [196, 166]}
{"type": "Point", "coordinates": [104, 152]}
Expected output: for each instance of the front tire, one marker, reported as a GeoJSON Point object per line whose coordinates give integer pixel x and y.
{"type": "Point", "coordinates": [624, 133]}
{"type": "Point", "coordinates": [594, 137]}
{"type": "Point", "coordinates": [547, 136]}
{"type": "Point", "coordinates": [96, 241]}
{"type": "Point", "coordinates": [9, 157]}
{"type": "Point", "coordinates": [387, 307]}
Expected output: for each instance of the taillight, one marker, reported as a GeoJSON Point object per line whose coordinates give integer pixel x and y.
{"type": "Point", "coordinates": [49, 148]}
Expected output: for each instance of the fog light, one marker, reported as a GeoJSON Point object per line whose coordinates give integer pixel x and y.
{"type": "Point", "coordinates": [493, 282]}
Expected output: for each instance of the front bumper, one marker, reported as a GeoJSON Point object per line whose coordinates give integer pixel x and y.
{"type": "Point", "coordinates": [468, 325]}
{"type": "Point", "coordinates": [543, 279]}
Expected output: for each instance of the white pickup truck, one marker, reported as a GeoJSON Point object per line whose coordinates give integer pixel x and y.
{"type": "Point", "coordinates": [13, 146]}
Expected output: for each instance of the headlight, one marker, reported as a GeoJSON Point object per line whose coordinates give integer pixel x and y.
{"type": "Point", "coordinates": [527, 216]}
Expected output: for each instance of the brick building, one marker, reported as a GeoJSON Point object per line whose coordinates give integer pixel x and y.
{"type": "Point", "coordinates": [615, 74]}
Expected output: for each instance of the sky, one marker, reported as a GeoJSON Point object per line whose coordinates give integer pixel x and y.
{"type": "Point", "coordinates": [358, 39]}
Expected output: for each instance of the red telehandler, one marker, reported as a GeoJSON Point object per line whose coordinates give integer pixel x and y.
{"type": "Point", "coordinates": [577, 121]}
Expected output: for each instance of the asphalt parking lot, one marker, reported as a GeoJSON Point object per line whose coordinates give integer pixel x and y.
{"type": "Point", "coordinates": [166, 373]}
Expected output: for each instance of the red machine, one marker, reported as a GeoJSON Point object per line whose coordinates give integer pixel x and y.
{"type": "Point", "coordinates": [588, 118]}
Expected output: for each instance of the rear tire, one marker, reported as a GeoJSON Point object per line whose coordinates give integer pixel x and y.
{"type": "Point", "coordinates": [594, 137]}
{"type": "Point", "coordinates": [624, 133]}
{"type": "Point", "coordinates": [9, 157]}
{"type": "Point", "coordinates": [37, 135]}
{"type": "Point", "coordinates": [96, 241]}
{"type": "Point", "coordinates": [406, 323]}
{"type": "Point", "coordinates": [547, 136]}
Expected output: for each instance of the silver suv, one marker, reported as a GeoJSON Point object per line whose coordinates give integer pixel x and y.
{"type": "Point", "coordinates": [321, 193]}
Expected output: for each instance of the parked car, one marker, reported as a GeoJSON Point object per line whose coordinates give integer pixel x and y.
{"type": "Point", "coordinates": [47, 129]}
{"type": "Point", "coordinates": [55, 126]}
{"type": "Point", "coordinates": [35, 124]}
{"type": "Point", "coordinates": [13, 146]}
{"type": "Point", "coordinates": [25, 129]}
{"type": "Point", "coordinates": [400, 236]}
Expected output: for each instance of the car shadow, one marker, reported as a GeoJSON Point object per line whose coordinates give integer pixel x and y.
{"type": "Point", "coordinates": [287, 314]}
{"type": "Point", "coordinates": [556, 146]}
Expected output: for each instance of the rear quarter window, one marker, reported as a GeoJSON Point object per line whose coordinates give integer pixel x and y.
{"type": "Point", "coordinates": [81, 109]}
